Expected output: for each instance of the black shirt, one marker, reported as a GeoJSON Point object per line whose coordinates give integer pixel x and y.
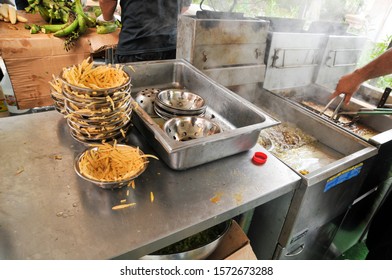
{"type": "Point", "coordinates": [148, 26]}
{"type": "Point", "coordinates": [21, 4]}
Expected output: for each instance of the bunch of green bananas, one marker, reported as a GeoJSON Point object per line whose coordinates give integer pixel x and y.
{"type": "Point", "coordinates": [52, 11]}
{"type": "Point", "coordinates": [65, 18]}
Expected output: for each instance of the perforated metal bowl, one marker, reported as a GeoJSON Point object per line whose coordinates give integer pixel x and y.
{"type": "Point", "coordinates": [188, 128]}
{"type": "Point", "coordinates": [166, 115]}
{"type": "Point", "coordinates": [146, 99]}
{"type": "Point", "coordinates": [177, 99]}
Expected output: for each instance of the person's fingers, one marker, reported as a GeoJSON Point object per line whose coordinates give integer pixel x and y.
{"type": "Point", "coordinates": [347, 98]}
{"type": "Point", "coordinates": [101, 19]}
{"type": "Point", "coordinates": [334, 94]}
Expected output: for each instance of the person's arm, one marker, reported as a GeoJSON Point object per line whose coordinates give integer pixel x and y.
{"type": "Point", "coordinates": [108, 7]}
{"type": "Point", "coordinates": [185, 4]}
{"type": "Point", "coordinates": [350, 83]}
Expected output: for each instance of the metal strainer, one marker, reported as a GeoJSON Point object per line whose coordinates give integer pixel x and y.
{"type": "Point", "coordinates": [146, 99]}
{"type": "Point", "coordinates": [191, 127]}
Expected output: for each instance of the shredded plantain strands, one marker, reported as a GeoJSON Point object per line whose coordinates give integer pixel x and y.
{"type": "Point", "coordinates": [85, 75]}
{"type": "Point", "coordinates": [111, 163]}
{"type": "Point", "coordinates": [56, 84]}
{"type": "Point", "coordinates": [122, 206]}
{"type": "Point", "coordinates": [151, 196]}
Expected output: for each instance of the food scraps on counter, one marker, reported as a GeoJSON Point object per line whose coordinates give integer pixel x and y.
{"type": "Point", "coordinates": [216, 198]}
{"type": "Point", "coordinates": [151, 196]}
{"type": "Point", "coordinates": [123, 206]}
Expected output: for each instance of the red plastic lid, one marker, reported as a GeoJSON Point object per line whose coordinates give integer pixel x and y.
{"type": "Point", "coordinates": [259, 158]}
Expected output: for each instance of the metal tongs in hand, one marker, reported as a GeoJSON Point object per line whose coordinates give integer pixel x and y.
{"type": "Point", "coordinates": [382, 108]}
{"type": "Point", "coordinates": [335, 115]}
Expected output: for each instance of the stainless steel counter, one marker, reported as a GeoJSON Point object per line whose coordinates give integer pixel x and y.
{"type": "Point", "coordinates": [48, 212]}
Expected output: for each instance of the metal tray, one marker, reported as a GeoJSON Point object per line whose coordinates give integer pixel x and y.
{"type": "Point", "coordinates": [334, 149]}
{"type": "Point", "coordinates": [320, 95]}
{"type": "Point", "coordinates": [241, 121]}
{"type": "Point", "coordinates": [337, 165]}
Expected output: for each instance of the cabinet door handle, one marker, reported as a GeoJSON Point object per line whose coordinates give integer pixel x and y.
{"type": "Point", "coordinates": [204, 56]}
{"type": "Point", "coordinates": [258, 53]}
{"type": "Point", "coordinates": [296, 251]}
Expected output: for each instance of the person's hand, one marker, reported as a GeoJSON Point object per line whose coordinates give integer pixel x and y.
{"type": "Point", "coordinates": [102, 20]}
{"type": "Point", "coordinates": [348, 84]}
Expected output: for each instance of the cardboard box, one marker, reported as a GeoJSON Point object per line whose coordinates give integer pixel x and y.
{"type": "Point", "coordinates": [234, 246]}
{"type": "Point", "coordinates": [32, 59]}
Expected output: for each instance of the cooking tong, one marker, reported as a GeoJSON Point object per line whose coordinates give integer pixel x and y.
{"type": "Point", "coordinates": [382, 107]}
{"type": "Point", "coordinates": [335, 114]}
{"type": "Point", "coordinates": [367, 111]}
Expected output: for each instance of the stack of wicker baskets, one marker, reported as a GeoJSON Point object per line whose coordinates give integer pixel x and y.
{"type": "Point", "coordinates": [94, 114]}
